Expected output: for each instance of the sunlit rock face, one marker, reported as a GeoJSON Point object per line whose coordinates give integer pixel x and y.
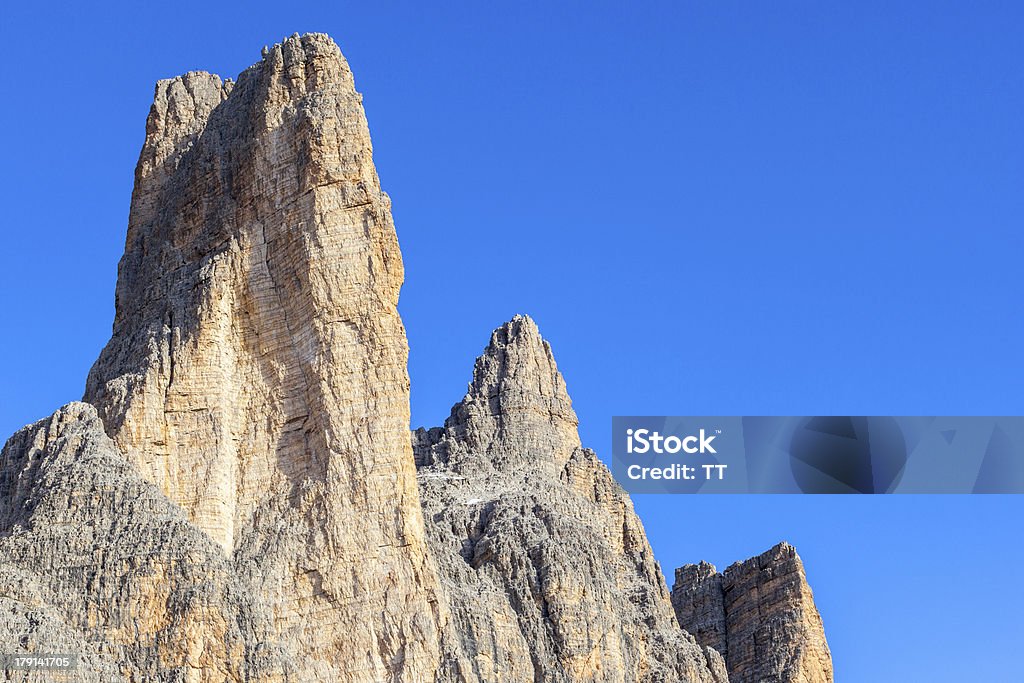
{"type": "Point", "coordinates": [257, 368]}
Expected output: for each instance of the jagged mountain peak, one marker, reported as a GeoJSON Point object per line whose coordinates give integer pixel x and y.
{"type": "Point", "coordinates": [516, 354]}
{"type": "Point", "coordinates": [546, 565]}
{"type": "Point", "coordinates": [516, 411]}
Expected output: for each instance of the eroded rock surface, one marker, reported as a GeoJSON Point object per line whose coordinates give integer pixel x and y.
{"type": "Point", "coordinates": [547, 568]}
{"type": "Point", "coordinates": [238, 498]}
{"type": "Point", "coordinates": [96, 561]}
{"type": "Point", "coordinates": [257, 368]}
{"type": "Point", "coordinates": [699, 603]}
{"type": "Point", "coordinates": [759, 614]}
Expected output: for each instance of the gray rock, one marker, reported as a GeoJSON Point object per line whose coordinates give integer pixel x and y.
{"type": "Point", "coordinates": [699, 604]}
{"type": "Point", "coordinates": [545, 565]}
{"type": "Point", "coordinates": [97, 561]}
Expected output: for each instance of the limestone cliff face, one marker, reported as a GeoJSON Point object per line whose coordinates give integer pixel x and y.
{"type": "Point", "coordinates": [547, 568]}
{"type": "Point", "coordinates": [759, 614]}
{"type": "Point", "coordinates": [257, 368]}
{"type": "Point", "coordinates": [238, 498]}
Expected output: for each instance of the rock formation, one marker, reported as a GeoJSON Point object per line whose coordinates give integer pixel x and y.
{"type": "Point", "coordinates": [759, 614]}
{"type": "Point", "coordinates": [239, 498]}
{"type": "Point", "coordinates": [547, 568]}
{"type": "Point", "coordinates": [257, 368]}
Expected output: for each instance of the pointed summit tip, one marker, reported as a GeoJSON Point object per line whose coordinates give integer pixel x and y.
{"type": "Point", "coordinates": [517, 352]}
{"type": "Point", "coordinates": [780, 553]}
{"type": "Point", "coordinates": [517, 401]}
{"type": "Point", "coordinates": [309, 42]}
{"type": "Point", "coordinates": [520, 324]}
{"type": "Point", "coordinates": [520, 329]}
{"type": "Point", "coordinates": [781, 549]}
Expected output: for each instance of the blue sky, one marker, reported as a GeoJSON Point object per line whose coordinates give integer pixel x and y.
{"type": "Point", "coordinates": [709, 208]}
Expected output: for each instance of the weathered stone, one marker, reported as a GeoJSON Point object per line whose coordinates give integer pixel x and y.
{"type": "Point", "coordinates": [516, 410]}
{"type": "Point", "coordinates": [257, 368]}
{"type": "Point", "coordinates": [238, 500]}
{"type": "Point", "coordinates": [547, 568]}
{"type": "Point", "coordinates": [700, 604]}
{"type": "Point", "coordinates": [760, 615]}
{"type": "Point", "coordinates": [97, 561]}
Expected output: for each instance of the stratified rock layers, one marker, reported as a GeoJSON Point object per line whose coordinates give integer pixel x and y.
{"type": "Point", "coordinates": [545, 564]}
{"type": "Point", "coordinates": [759, 614]}
{"type": "Point", "coordinates": [257, 368]}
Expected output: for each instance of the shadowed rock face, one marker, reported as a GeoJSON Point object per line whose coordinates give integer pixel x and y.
{"type": "Point", "coordinates": [699, 603]}
{"type": "Point", "coordinates": [547, 568]}
{"type": "Point", "coordinates": [759, 614]}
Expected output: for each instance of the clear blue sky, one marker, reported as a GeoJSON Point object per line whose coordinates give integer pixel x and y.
{"type": "Point", "coordinates": [709, 208]}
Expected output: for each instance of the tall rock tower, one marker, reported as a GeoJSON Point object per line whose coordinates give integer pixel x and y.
{"type": "Point", "coordinates": [257, 368]}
